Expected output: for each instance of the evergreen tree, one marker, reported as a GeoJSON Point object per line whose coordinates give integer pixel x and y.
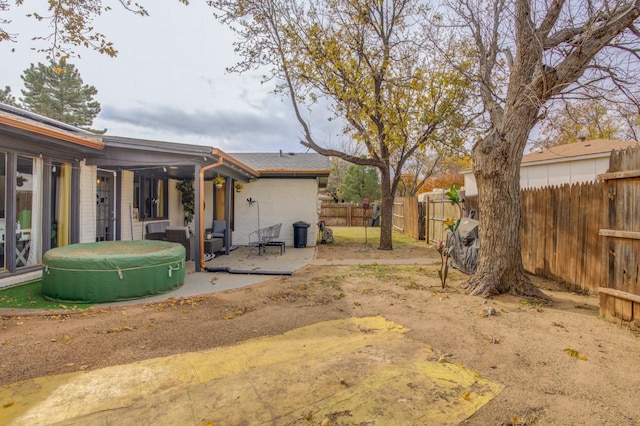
{"type": "Point", "coordinates": [57, 91]}
{"type": "Point", "coordinates": [360, 183]}
{"type": "Point", "coordinates": [6, 97]}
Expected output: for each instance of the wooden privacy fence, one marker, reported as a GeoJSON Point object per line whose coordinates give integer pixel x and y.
{"type": "Point", "coordinates": [345, 214]}
{"type": "Point", "coordinates": [559, 233]}
{"type": "Point", "coordinates": [438, 208]}
{"type": "Point", "coordinates": [620, 291]}
{"type": "Point", "coordinates": [407, 217]}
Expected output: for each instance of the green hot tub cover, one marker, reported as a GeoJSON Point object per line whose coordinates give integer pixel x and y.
{"type": "Point", "coordinates": [110, 271]}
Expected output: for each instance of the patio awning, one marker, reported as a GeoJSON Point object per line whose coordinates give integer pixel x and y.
{"type": "Point", "coordinates": [168, 159]}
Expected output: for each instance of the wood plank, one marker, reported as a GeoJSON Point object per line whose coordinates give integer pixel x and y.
{"type": "Point", "coordinates": [574, 235]}
{"type": "Point", "coordinates": [600, 253]}
{"type": "Point", "coordinates": [615, 243]}
{"type": "Point", "coordinates": [623, 309]}
{"type": "Point", "coordinates": [615, 233]}
{"type": "Point", "coordinates": [582, 238]}
{"type": "Point", "coordinates": [551, 233]}
{"type": "Point", "coordinates": [627, 174]}
{"type": "Point", "coordinates": [603, 305]}
{"type": "Point", "coordinates": [524, 228]}
{"type": "Point", "coordinates": [619, 294]}
{"type": "Point", "coordinates": [565, 232]}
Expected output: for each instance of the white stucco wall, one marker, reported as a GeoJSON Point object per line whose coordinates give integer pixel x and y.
{"type": "Point", "coordinates": [550, 173]}
{"type": "Point", "coordinates": [283, 201]}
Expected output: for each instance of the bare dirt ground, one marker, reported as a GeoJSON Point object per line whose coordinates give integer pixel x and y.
{"type": "Point", "coordinates": [561, 364]}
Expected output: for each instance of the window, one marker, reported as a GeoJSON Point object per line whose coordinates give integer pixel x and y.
{"type": "Point", "coordinates": [150, 197]}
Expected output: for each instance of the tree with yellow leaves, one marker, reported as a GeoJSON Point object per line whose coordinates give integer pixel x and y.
{"type": "Point", "coordinates": [70, 24]}
{"type": "Point", "coordinates": [371, 63]}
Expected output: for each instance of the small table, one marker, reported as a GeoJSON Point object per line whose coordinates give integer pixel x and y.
{"type": "Point", "coordinates": [276, 244]}
{"type": "Point", "coordinates": [213, 245]}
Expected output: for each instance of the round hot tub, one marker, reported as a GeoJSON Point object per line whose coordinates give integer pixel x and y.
{"type": "Point", "coordinates": [110, 271]}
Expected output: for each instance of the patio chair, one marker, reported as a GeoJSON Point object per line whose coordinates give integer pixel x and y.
{"type": "Point", "coordinates": [265, 237]}
{"type": "Point", "coordinates": [156, 230]}
{"type": "Point", "coordinates": [180, 234]}
{"type": "Point", "coordinates": [219, 229]}
{"type": "Point", "coordinates": [216, 237]}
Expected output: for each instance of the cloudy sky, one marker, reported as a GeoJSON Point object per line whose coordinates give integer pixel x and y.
{"type": "Point", "coordinates": [169, 82]}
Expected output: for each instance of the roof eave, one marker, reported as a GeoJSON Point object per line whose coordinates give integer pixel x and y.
{"type": "Point", "coordinates": [604, 154]}
{"type": "Point", "coordinates": [290, 173]}
{"type": "Point", "coordinates": [51, 132]}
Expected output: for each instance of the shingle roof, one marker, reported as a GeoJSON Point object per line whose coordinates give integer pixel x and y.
{"type": "Point", "coordinates": [21, 120]}
{"type": "Point", "coordinates": [285, 162]}
{"type": "Point", "coordinates": [578, 149]}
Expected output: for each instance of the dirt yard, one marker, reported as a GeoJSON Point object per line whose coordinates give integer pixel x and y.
{"type": "Point", "coordinates": [560, 363]}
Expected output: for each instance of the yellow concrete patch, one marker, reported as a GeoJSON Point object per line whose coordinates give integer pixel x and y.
{"type": "Point", "coordinates": [348, 371]}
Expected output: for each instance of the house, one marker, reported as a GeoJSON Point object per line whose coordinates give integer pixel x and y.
{"type": "Point", "coordinates": [287, 193]}
{"type": "Point", "coordinates": [569, 163]}
{"type": "Point", "coordinates": [73, 186]}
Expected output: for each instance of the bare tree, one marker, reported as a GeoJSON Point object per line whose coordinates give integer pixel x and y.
{"type": "Point", "coordinates": [418, 169]}
{"type": "Point", "coordinates": [528, 53]}
{"type": "Point", "coordinates": [582, 119]}
{"type": "Point", "coordinates": [338, 172]}
{"type": "Point", "coordinates": [370, 60]}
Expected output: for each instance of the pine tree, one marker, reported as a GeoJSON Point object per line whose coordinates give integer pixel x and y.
{"type": "Point", "coordinates": [6, 97]}
{"type": "Point", "coordinates": [57, 91]}
{"type": "Point", "coordinates": [360, 183]}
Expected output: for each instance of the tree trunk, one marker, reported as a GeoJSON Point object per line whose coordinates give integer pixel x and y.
{"type": "Point", "coordinates": [497, 172]}
{"type": "Point", "coordinates": [386, 216]}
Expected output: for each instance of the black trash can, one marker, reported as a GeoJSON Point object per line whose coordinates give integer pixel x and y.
{"type": "Point", "coordinates": [300, 234]}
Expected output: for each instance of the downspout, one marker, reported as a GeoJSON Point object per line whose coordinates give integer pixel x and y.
{"type": "Point", "coordinates": [201, 208]}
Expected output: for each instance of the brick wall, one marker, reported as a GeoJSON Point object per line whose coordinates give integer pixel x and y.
{"type": "Point", "coordinates": [87, 206]}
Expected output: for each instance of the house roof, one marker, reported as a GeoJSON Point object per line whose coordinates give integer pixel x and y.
{"type": "Point", "coordinates": [286, 164]}
{"type": "Point", "coordinates": [584, 149]}
{"type": "Point", "coordinates": [170, 159]}
{"type": "Point", "coordinates": [23, 123]}
{"type": "Point", "coordinates": [174, 160]}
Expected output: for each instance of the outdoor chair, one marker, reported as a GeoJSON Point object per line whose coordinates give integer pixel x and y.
{"type": "Point", "coordinates": [180, 234]}
{"type": "Point", "coordinates": [266, 237]}
{"type": "Point", "coordinates": [156, 230]}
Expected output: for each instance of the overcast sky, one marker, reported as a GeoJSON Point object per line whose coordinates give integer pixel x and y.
{"type": "Point", "coordinates": [169, 82]}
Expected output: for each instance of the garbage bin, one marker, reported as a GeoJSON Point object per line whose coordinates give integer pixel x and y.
{"type": "Point", "coordinates": [300, 234]}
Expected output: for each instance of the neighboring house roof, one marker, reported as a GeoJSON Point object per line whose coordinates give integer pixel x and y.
{"type": "Point", "coordinates": [583, 149]}
{"type": "Point", "coordinates": [286, 164]}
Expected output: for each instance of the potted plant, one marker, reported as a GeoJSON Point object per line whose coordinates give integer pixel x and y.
{"type": "Point", "coordinates": [187, 197]}
{"type": "Point", "coordinates": [218, 181]}
{"type": "Point", "coordinates": [238, 187]}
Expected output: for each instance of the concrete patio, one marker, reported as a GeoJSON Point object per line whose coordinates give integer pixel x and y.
{"type": "Point", "coordinates": [241, 259]}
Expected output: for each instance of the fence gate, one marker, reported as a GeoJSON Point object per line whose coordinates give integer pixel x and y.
{"type": "Point", "coordinates": [407, 214]}
{"type": "Point", "coordinates": [620, 295]}
{"type": "Point", "coordinates": [438, 209]}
